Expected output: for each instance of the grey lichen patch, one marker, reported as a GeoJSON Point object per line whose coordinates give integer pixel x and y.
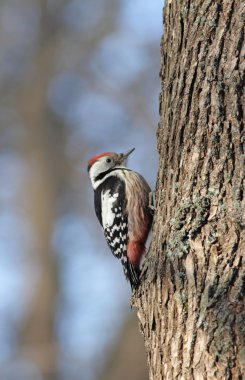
{"type": "Point", "coordinates": [238, 212]}
{"type": "Point", "coordinates": [238, 217]}
{"type": "Point", "coordinates": [180, 299]}
{"type": "Point", "coordinates": [213, 191]}
{"type": "Point", "coordinates": [200, 20]}
{"type": "Point", "coordinates": [190, 217]}
{"type": "Point", "coordinates": [212, 237]}
{"type": "Point", "coordinates": [201, 209]}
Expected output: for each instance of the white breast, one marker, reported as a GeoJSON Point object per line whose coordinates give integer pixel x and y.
{"type": "Point", "coordinates": [107, 203]}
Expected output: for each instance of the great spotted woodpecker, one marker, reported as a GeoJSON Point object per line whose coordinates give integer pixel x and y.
{"type": "Point", "coordinates": [121, 200]}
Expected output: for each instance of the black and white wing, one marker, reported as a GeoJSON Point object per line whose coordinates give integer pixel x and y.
{"type": "Point", "coordinates": [113, 218]}
{"type": "Point", "coordinates": [114, 221]}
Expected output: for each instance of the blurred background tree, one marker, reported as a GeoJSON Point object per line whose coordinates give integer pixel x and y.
{"type": "Point", "coordinates": [76, 78]}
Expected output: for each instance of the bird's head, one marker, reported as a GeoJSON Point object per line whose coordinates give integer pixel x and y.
{"type": "Point", "coordinates": [100, 165]}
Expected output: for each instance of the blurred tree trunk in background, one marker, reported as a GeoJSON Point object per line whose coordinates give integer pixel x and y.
{"type": "Point", "coordinates": [191, 303]}
{"type": "Point", "coordinates": [43, 148]}
{"type": "Point", "coordinates": [127, 359]}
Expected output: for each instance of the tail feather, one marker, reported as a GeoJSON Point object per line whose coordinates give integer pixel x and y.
{"type": "Point", "coordinates": [133, 275]}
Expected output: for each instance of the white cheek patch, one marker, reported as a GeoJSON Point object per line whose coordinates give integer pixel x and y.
{"type": "Point", "coordinates": [107, 202]}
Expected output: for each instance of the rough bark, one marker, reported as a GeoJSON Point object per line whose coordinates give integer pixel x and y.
{"type": "Point", "coordinates": [191, 302]}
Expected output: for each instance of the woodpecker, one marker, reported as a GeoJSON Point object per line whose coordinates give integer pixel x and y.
{"type": "Point", "coordinates": [121, 201]}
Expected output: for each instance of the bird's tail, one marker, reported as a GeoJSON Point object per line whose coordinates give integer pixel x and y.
{"type": "Point", "coordinates": [133, 275]}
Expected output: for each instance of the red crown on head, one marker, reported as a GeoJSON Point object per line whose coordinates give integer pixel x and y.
{"type": "Point", "coordinates": [95, 158]}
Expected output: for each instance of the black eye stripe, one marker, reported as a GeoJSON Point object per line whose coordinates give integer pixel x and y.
{"type": "Point", "coordinates": [103, 174]}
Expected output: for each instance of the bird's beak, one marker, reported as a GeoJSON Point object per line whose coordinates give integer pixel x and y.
{"type": "Point", "coordinates": [124, 156]}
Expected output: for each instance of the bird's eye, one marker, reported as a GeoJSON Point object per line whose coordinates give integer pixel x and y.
{"type": "Point", "coordinates": [108, 160]}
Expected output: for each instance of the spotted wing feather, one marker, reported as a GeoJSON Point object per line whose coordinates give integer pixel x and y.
{"type": "Point", "coordinates": [117, 234]}
{"type": "Point", "coordinates": [111, 212]}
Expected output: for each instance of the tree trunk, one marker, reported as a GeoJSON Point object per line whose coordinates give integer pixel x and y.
{"type": "Point", "coordinates": [191, 302]}
{"type": "Point", "coordinates": [43, 148]}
